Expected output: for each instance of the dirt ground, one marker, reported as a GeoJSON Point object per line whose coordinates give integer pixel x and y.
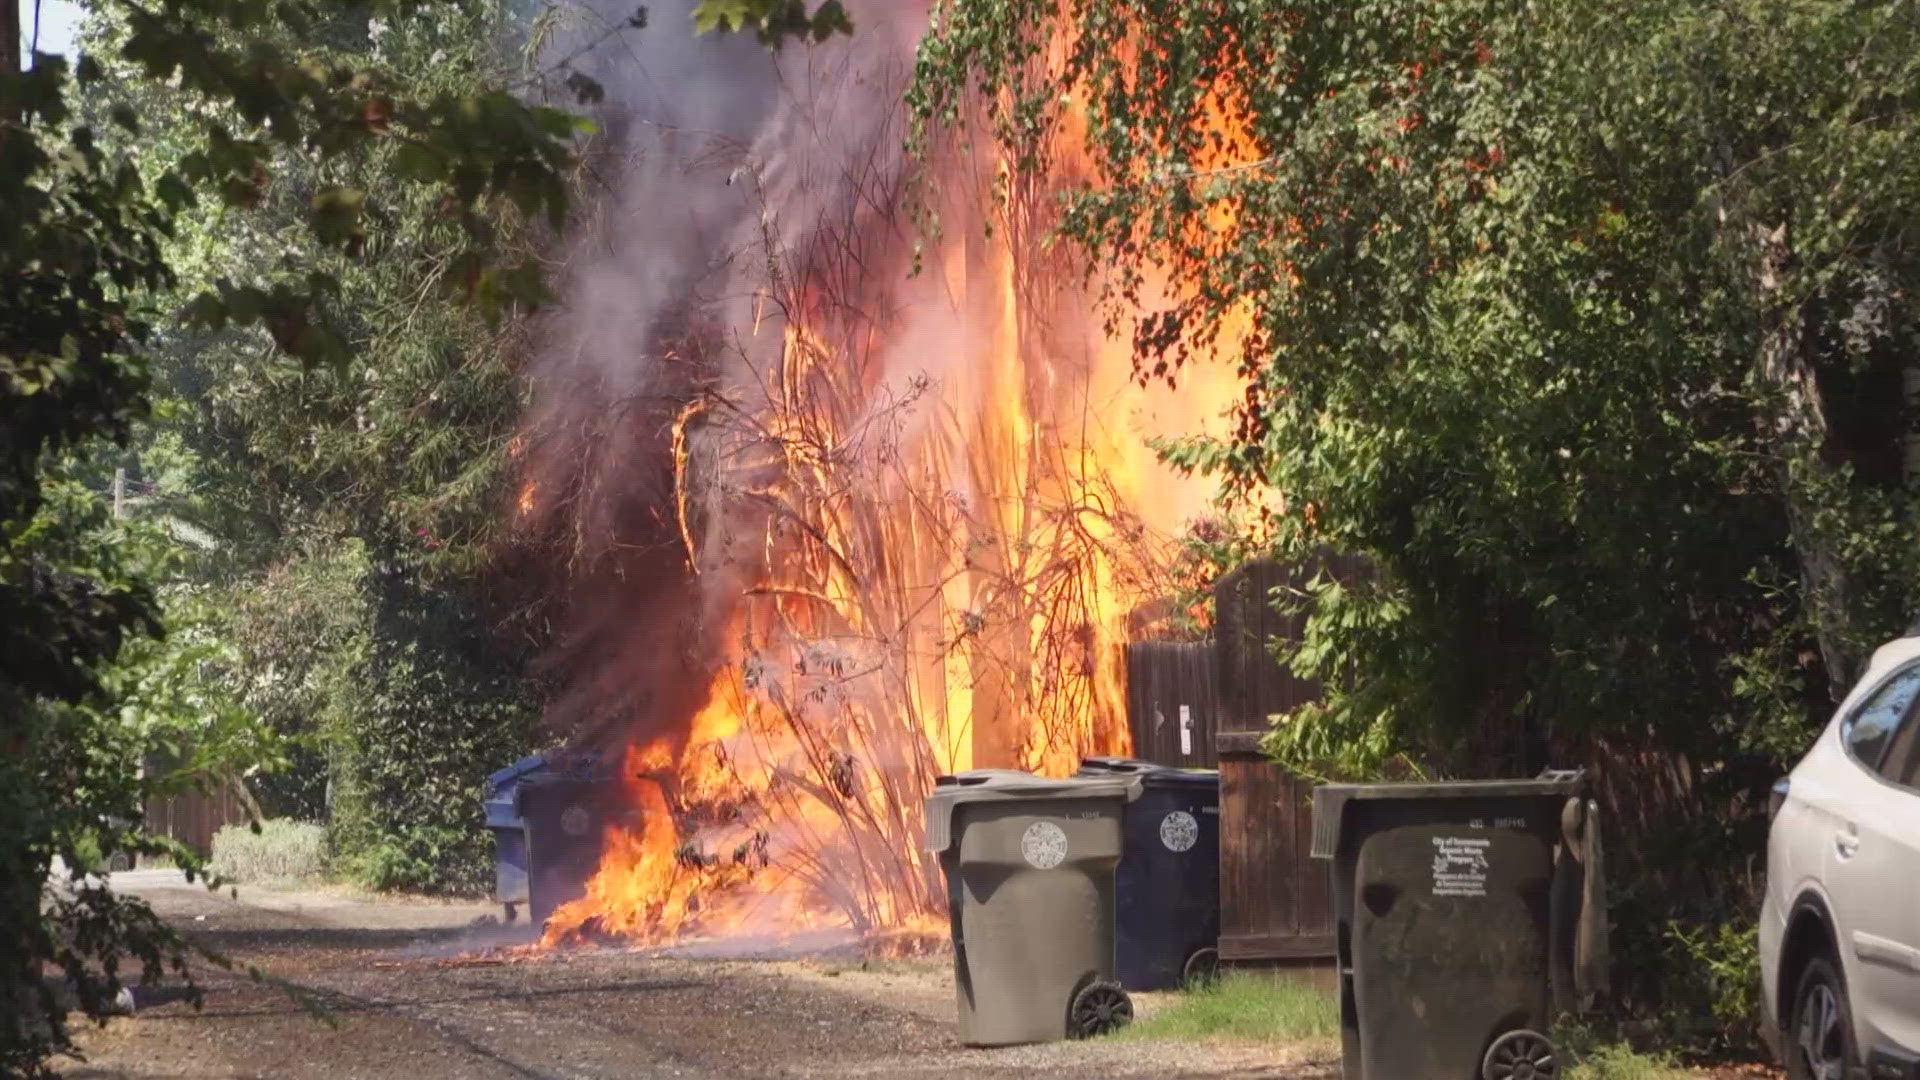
{"type": "Point", "coordinates": [423, 990]}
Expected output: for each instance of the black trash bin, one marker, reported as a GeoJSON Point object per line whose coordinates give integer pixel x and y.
{"type": "Point", "coordinates": [1467, 916]}
{"type": "Point", "coordinates": [567, 811]}
{"type": "Point", "coordinates": [1167, 892]}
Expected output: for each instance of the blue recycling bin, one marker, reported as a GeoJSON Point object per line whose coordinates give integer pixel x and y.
{"type": "Point", "coordinates": [1167, 890]}
{"type": "Point", "coordinates": [549, 814]}
{"type": "Point", "coordinates": [510, 832]}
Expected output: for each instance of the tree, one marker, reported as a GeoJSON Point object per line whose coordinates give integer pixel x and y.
{"type": "Point", "coordinates": [83, 255]}
{"type": "Point", "coordinates": [287, 107]}
{"type": "Point", "coordinates": [345, 492]}
{"type": "Point", "coordinates": [1585, 325]}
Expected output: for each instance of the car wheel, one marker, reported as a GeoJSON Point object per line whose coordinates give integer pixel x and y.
{"type": "Point", "coordinates": [1820, 1029]}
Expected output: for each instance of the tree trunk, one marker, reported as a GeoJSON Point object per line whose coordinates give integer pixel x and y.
{"type": "Point", "coordinates": [1799, 432]}
{"type": "Point", "coordinates": [10, 39]}
{"type": "Point", "coordinates": [9, 64]}
{"type": "Point", "coordinates": [1910, 443]}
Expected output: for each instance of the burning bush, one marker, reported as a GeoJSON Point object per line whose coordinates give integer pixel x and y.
{"type": "Point", "coordinates": [827, 527]}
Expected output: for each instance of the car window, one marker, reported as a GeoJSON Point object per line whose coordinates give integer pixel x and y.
{"type": "Point", "coordinates": [1902, 765]}
{"type": "Point", "coordinates": [1872, 725]}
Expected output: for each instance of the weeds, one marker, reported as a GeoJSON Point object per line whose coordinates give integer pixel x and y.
{"type": "Point", "coordinates": [1600, 1055]}
{"type": "Point", "coordinates": [1245, 1006]}
{"type": "Point", "coordinates": [1620, 1062]}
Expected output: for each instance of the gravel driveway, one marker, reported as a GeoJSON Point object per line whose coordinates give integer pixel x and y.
{"type": "Point", "coordinates": [418, 991]}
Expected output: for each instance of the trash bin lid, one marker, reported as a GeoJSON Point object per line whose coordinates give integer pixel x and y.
{"type": "Point", "coordinates": [1330, 800]}
{"type": "Point", "coordinates": [1151, 773]}
{"type": "Point", "coordinates": [511, 774]}
{"type": "Point", "coordinates": [974, 777]}
{"type": "Point", "coordinates": [1168, 776]}
{"type": "Point", "coordinates": [1092, 765]}
{"type": "Point", "coordinates": [1000, 785]}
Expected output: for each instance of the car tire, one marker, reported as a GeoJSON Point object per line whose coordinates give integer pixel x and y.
{"type": "Point", "coordinates": [1818, 1034]}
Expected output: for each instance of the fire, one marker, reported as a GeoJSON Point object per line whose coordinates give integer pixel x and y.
{"type": "Point", "coordinates": [650, 883]}
{"type": "Point", "coordinates": [927, 511]}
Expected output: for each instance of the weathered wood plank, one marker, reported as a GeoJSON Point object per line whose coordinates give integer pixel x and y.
{"type": "Point", "coordinates": [1276, 946]}
{"type": "Point", "coordinates": [193, 817]}
{"type": "Point", "coordinates": [1314, 914]}
{"type": "Point", "coordinates": [1240, 743]}
{"type": "Point", "coordinates": [1273, 896]}
{"type": "Point", "coordinates": [1163, 677]}
{"type": "Point", "coordinates": [1271, 890]}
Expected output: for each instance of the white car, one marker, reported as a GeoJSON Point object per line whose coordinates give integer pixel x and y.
{"type": "Point", "coordinates": [1840, 925]}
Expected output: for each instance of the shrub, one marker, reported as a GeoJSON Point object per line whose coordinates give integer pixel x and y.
{"type": "Point", "coordinates": [438, 704]}
{"type": "Point", "coordinates": [282, 850]}
{"type": "Point", "coordinates": [1714, 984]}
{"type": "Point", "coordinates": [396, 697]}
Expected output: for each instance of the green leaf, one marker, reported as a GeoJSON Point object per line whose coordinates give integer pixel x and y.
{"type": "Point", "coordinates": [337, 215]}
{"type": "Point", "coordinates": [414, 161]}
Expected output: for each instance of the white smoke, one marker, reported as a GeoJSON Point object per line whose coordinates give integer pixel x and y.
{"type": "Point", "coordinates": [718, 167]}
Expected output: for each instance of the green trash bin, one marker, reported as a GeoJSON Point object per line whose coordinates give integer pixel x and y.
{"type": "Point", "coordinates": [1030, 867]}
{"type": "Point", "coordinates": [1467, 916]}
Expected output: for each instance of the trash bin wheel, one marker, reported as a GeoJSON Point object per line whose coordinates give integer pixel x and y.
{"type": "Point", "coordinates": [1201, 969]}
{"type": "Point", "coordinates": [1520, 1055]}
{"type": "Point", "coordinates": [1100, 1006]}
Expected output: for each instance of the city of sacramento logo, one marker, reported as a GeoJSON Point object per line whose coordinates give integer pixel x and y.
{"type": "Point", "coordinates": [1044, 845]}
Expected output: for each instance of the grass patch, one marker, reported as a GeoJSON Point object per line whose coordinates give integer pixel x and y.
{"type": "Point", "coordinates": [282, 851]}
{"type": "Point", "coordinates": [1619, 1062]}
{"type": "Point", "coordinates": [1243, 1005]}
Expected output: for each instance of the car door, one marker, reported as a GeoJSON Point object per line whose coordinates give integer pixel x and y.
{"type": "Point", "coordinates": [1901, 770]}
{"type": "Point", "coordinates": [1873, 876]}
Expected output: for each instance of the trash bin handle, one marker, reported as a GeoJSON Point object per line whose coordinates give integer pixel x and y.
{"type": "Point", "coordinates": [1592, 959]}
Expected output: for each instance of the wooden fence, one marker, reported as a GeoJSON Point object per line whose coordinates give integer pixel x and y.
{"type": "Point", "coordinates": [193, 817]}
{"type": "Point", "coordinates": [1206, 704]}
{"type": "Point", "coordinates": [1173, 702]}
{"type": "Point", "coordinates": [1274, 903]}
{"type": "Point", "coordinates": [1273, 898]}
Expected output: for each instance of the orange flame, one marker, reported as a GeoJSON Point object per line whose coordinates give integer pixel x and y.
{"type": "Point", "coordinates": [951, 520]}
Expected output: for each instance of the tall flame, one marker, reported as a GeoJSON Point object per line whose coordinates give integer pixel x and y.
{"type": "Point", "coordinates": [931, 519]}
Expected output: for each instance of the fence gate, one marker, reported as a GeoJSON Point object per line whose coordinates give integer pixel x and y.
{"type": "Point", "coordinates": [1173, 702]}
{"type": "Point", "coordinates": [1274, 904]}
